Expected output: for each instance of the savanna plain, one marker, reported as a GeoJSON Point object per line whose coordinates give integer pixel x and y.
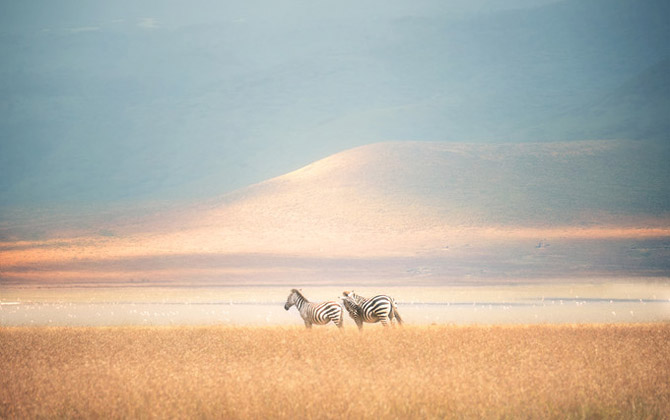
{"type": "Point", "coordinates": [441, 371]}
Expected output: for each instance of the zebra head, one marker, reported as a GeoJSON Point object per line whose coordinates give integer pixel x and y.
{"type": "Point", "coordinates": [349, 304]}
{"type": "Point", "coordinates": [354, 310]}
{"type": "Point", "coordinates": [355, 298]}
{"type": "Point", "coordinates": [293, 298]}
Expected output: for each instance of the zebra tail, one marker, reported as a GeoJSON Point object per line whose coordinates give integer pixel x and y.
{"type": "Point", "coordinates": [396, 314]}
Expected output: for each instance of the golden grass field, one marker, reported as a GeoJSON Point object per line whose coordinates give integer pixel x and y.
{"type": "Point", "coordinates": [546, 371]}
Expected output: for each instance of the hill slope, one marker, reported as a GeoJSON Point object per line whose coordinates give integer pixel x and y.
{"type": "Point", "coordinates": [492, 207]}
{"type": "Point", "coordinates": [421, 185]}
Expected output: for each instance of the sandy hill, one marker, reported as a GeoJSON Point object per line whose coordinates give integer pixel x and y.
{"type": "Point", "coordinates": [491, 206]}
{"type": "Point", "coordinates": [399, 185]}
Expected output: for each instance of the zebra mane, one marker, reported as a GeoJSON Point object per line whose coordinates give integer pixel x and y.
{"type": "Point", "coordinates": [355, 297]}
{"type": "Point", "coordinates": [299, 293]}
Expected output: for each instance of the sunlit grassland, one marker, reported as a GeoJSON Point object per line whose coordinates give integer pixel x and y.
{"type": "Point", "coordinates": [568, 371]}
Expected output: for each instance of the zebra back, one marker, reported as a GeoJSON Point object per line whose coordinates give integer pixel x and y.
{"type": "Point", "coordinates": [314, 313]}
{"type": "Point", "coordinates": [377, 308]}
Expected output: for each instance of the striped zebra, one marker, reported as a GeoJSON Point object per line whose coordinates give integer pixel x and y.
{"type": "Point", "coordinates": [380, 308]}
{"type": "Point", "coordinates": [315, 313]}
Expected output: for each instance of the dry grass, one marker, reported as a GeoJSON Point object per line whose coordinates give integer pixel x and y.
{"type": "Point", "coordinates": [612, 371]}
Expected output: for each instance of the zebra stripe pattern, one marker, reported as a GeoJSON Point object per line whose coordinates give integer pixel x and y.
{"type": "Point", "coordinates": [315, 313]}
{"type": "Point", "coordinates": [380, 308]}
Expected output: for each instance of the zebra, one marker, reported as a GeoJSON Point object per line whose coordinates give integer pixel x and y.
{"type": "Point", "coordinates": [380, 308]}
{"type": "Point", "coordinates": [315, 313]}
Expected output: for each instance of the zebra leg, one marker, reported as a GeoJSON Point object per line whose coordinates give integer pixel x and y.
{"type": "Point", "coordinates": [385, 321]}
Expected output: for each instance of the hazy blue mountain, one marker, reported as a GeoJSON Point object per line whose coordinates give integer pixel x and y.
{"type": "Point", "coordinates": [156, 100]}
{"type": "Point", "coordinates": [638, 109]}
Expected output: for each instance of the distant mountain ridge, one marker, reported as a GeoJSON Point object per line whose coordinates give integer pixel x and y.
{"type": "Point", "coordinates": [638, 109]}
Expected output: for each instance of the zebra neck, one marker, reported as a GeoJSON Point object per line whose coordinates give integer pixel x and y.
{"type": "Point", "coordinates": [301, 302]}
